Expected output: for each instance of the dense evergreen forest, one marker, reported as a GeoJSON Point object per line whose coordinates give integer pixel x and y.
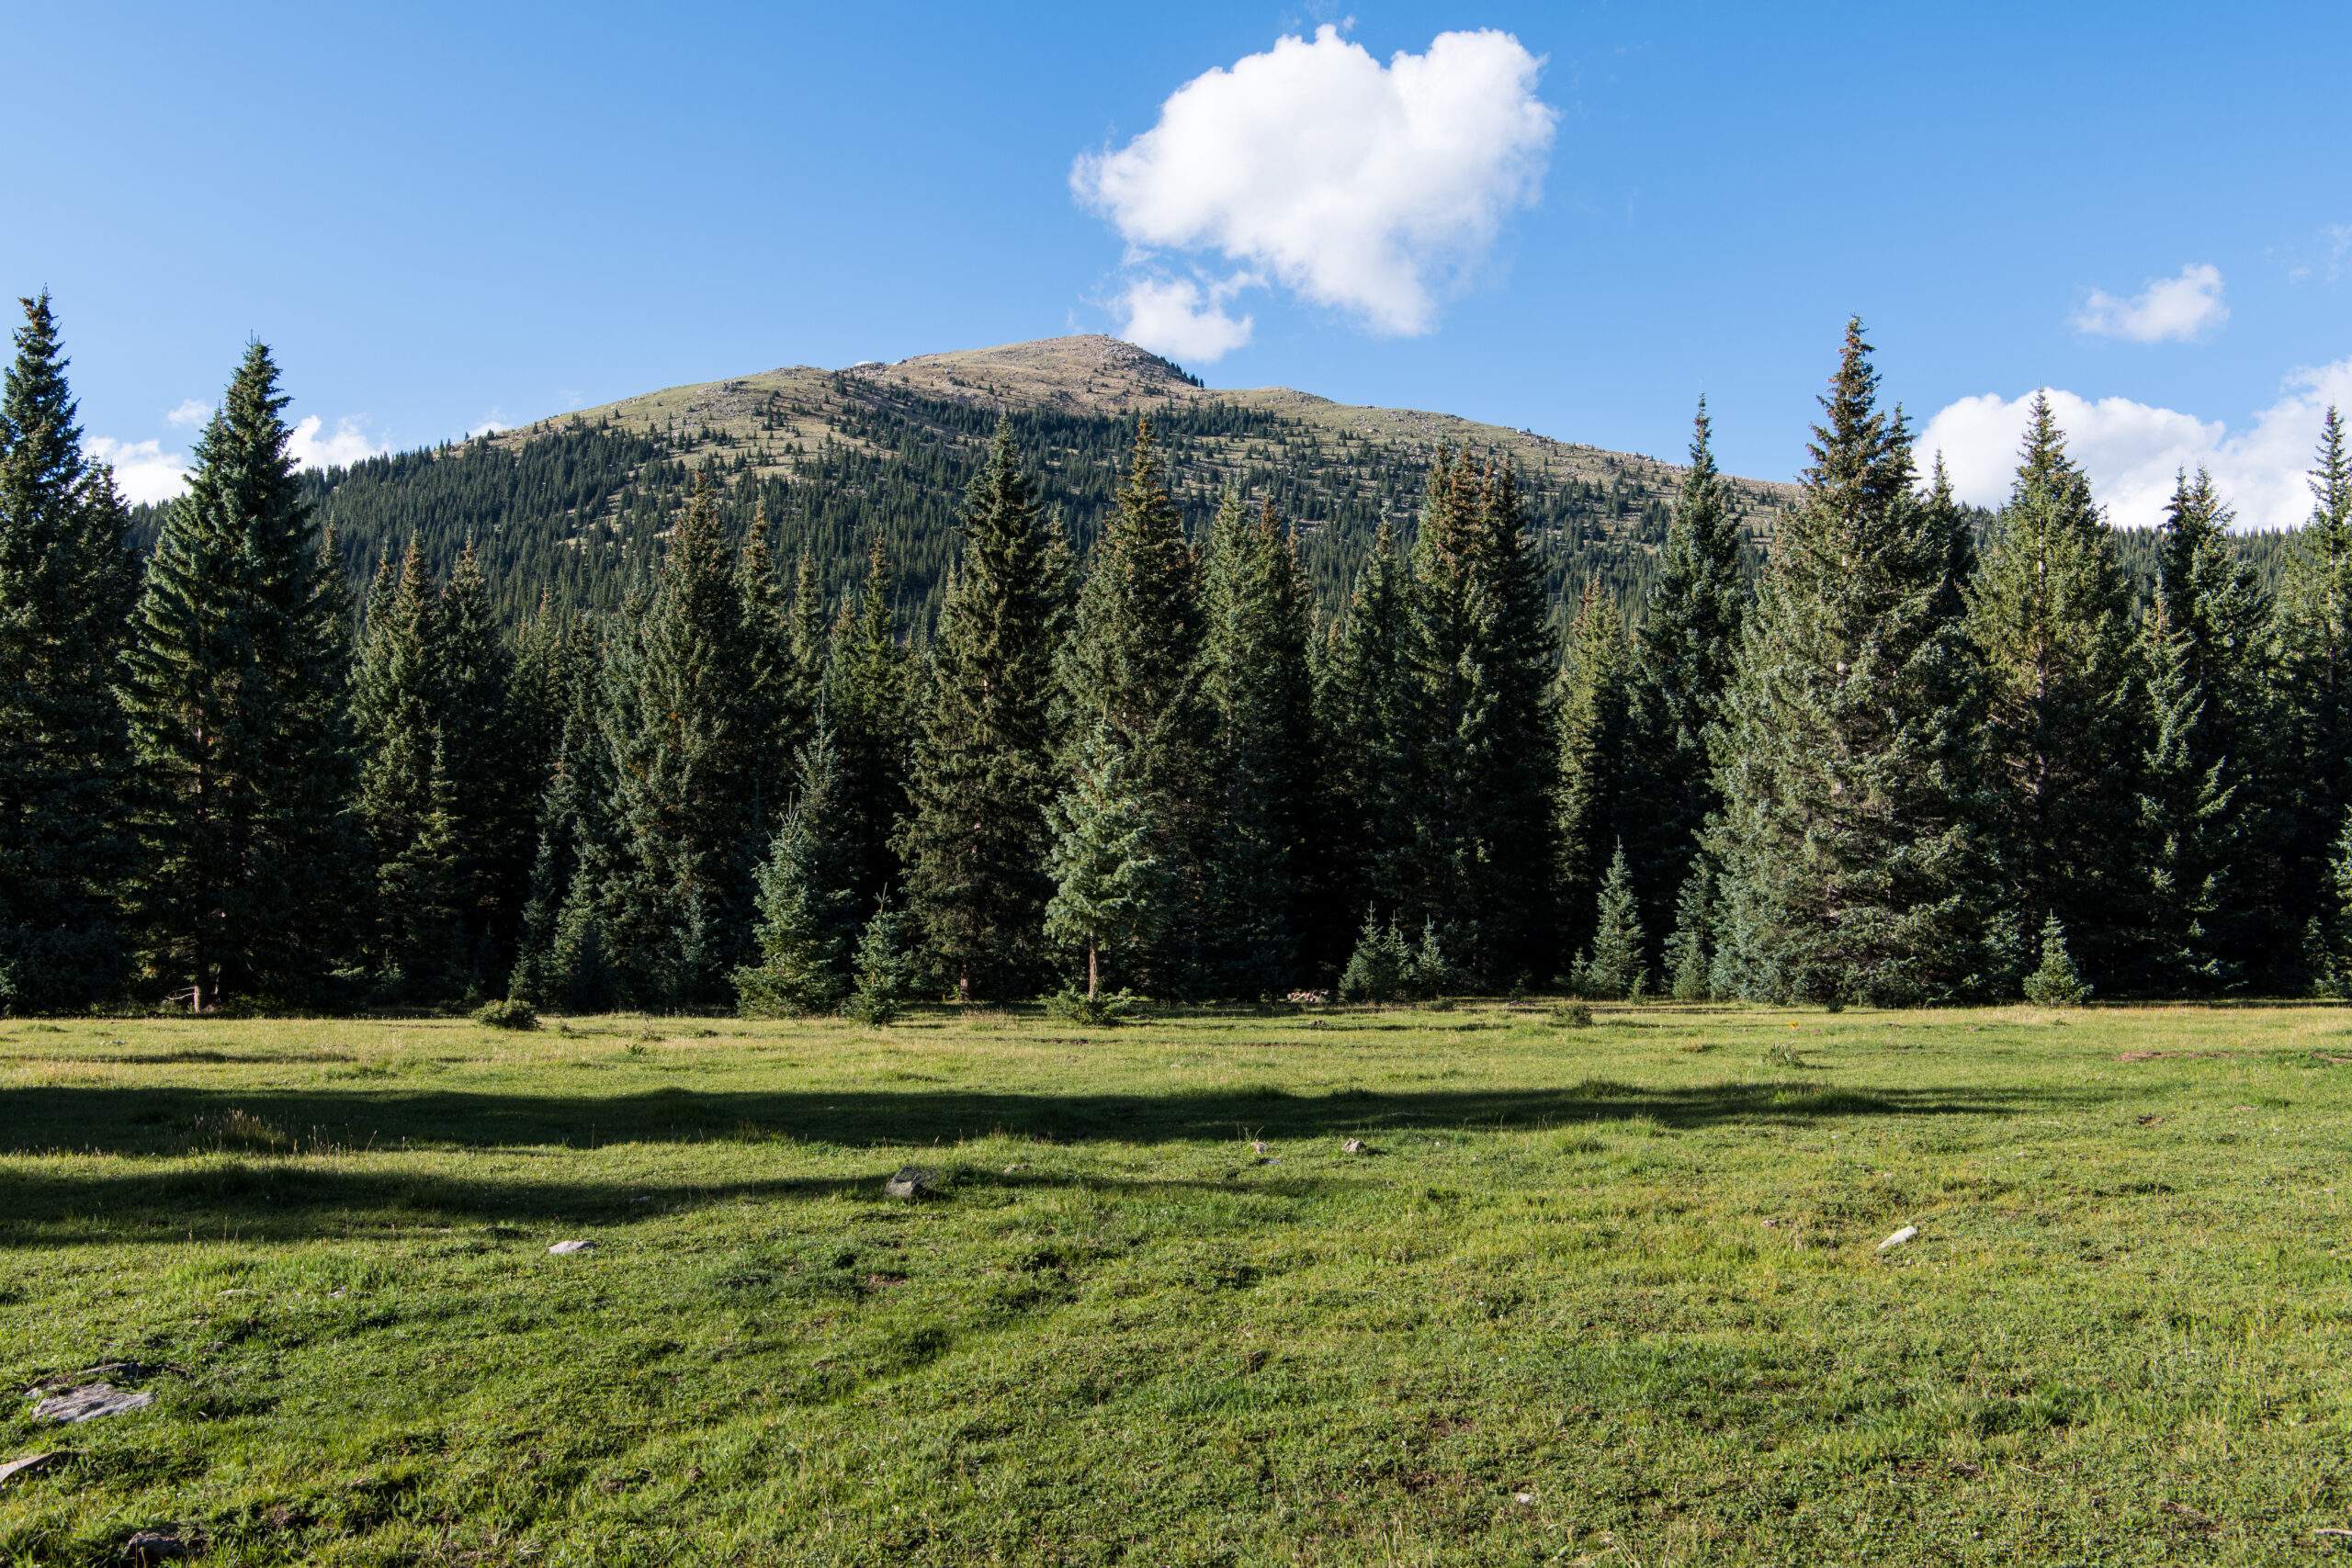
{"type": "Point", "coordinates": [1001, 705]}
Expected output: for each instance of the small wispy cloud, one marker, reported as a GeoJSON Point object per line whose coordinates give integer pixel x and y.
{"type": "Point", "coordinates": [2330, 261]}
{"type": "Point", "coordinates": [2169, 310]}
{"type": "Point", "coordinates": [191, 411]}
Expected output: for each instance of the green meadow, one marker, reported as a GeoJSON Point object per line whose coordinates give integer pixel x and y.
{"type": "Point", "coordinates": [1587, 1293]}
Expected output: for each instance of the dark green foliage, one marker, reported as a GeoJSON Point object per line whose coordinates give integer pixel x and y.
{"type": "Point", "coordinates": [66, 584]}
{"type": "Point", "coordinates": [686, 740]}
{"type": "Point", "coordinates": [2327, 936]}
{"type": "Point", "coordinates": [1854, 862]}
{"type": "Point", "coordinates": [1485, 658]}
{"type": "Point", "coordinates": [2055, 982]}
{"type": "Point", "coordinates": [1262, 862]}
{"type": "Point", "coordinates": [806, 901]}
{"type": "Point", "coordinates": [1111, 893]}
{"type": "Point", "coordinates": [249, 879]}
{"type": "Point", "coordinates": [1428, 974]}
{"type": "Point", "coordinates": [1131, 680]}
{"type": "Point", "coordinates": [1369, 711]}
{"type": "Point", "coordinates": [1688, 958]}
{"type": "Point", "coordinates": [507, 1013]}
{"type": "Point", "coordinates": [1102, 1011]}
{"type": "Point", "coordinates": [1381, 965]}
{"type": "Point", "coordinates": [885, 983]}
{"type": "Point", "coordinates": [2205, 856]}
{"type": "Point", "coordinates": [2051, 613]}
{"type": "Point", "coordinates": [2314, 662]}
{"type": "Point", "coordinates": [870, 700]}
{"type": "Point", "coordinates": [1689, 643]}
{"type": "Point", "coordinates": [1598, 763]}
{"type": "Point", "coordinates": [1615, 966]}
{"type": "Point", "coordinates": [976, 836]}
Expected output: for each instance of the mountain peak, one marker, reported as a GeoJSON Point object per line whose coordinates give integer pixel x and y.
{"type": "Point", "coordinates": [1085, 372]}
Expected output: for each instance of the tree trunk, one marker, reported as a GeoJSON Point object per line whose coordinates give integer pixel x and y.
{"type": "Point", "coordinates": [1093, 970]}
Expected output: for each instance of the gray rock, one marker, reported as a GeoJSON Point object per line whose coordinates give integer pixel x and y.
{"type": "Point", "coordinates": [909, 1182]}
{"type": "Point", "coordinates": [1352, 1146]}
{"type": "Point", "coordinates": [23, 1466]}
{"type": "Point", "coordinates": [1908, 1233]}
{"type": "Point", "coordinates": [91, 1400]}
{"type": "Point", "coordinates": [566, 1248]}
{"type": "Point", "coordinates": [155, 1546]}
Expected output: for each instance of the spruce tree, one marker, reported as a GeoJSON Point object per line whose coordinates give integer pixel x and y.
{"type": "Point", "coordinates": [673, 882]}
{"type": "Point", "coordinates": [2314, 662]}
{"type": "Point", "coordinates": [1851, 843]}
{"type": "Point", "coordinates": [2055, 982]}
{"type": "Point", "coordinates": [403, 797]}
{"type": "Point", "coordinates": [806, 899]}
{"type": "Point", "coordinates": [1132, 669]}
{"type": "Point", "coordinates": [1687, 949]}
{"type": "Point", "coordinates": [1617, 962]}
{"type": "Point", "coordinates": [1485, 657]}
{"type": "Point", "coordinates": [1261, 696]}
{"type": "Point", "coordinates": [1370, 711]}
{"type": "Point", "coordinates": [250, 862]}
{"type": "Point", "coordinates": [1597, 802]}
{"type": "Point", "coordinates": [2051, 613]}
{"type": "Point", "coordinates": [66, 583]}
{"type": "Point", "coordinates": [1690, 640]}
{"type": "Point", "coordinates": [2208, 852]}
{"type": "Point", "coordinates": [870, 700]}
{"type": "Point", "coordinates": [885, 969]}
{"type": "Point", "coordinates": [1110, 884]}
{"type": "Point", "coordinates": [493, 782]}
{"type": "Point", "coordinates": [1378, 968]}
{"type": "Point", "coordinates": [976, 835]}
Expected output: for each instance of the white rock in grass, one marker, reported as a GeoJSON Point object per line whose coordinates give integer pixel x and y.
{"type": "Point", "coordinates": [909, 1182]}
{"type": "Point", "coordinates": [566, 1248]}
{"type": "Point", "coordinates": [1352, 1146]}
{"type": "Point", "coordinates": [1908, 1233]}
{"type": "Point", "coordinates": [90, 1402]}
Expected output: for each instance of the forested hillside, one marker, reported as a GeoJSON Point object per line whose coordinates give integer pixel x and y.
{"type": "Point", "coordinates": [573, 508]}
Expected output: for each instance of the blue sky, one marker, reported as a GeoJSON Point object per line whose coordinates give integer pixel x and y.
{"type": "Point", "coordinates": [440, 217]}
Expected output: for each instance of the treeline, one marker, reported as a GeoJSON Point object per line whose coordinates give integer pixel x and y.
{"type": "Point", "coordinates": [1924, 756]}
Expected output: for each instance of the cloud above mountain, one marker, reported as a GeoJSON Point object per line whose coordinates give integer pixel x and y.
{"type": "Point", "coordinates": [1368, 188]}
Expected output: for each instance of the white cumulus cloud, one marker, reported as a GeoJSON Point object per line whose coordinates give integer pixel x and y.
{"type": "Point", "coordinates": [1180, 318]}
{"type": "Point", "coordinates": [191, 411]}
{"type": "Point", "coordinates": [1361, 187]}
{"type": "Point", "coordinates": [2169, 309]}
{"type": "Point", "coordinates": [143, 472]}
{"type": "Point", "coordinates": [347, 444]}
{"type": "Point", "coordinates": [2132, 450]}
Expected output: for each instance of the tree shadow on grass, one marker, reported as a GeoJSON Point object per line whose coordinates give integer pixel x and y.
{"type": "Point", "coordinates": [256, 1199]}
{"type": "Point", "coordinates": [177, 1121]}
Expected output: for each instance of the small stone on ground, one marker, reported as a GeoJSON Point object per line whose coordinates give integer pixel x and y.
{"type": "Point", "coordinates": [90, 1402]}
{"type": "Point", "coordinates": [909, 1182]}
{"type": "Point", "coordinates": [155, 1546]}
{"type": "Point", "coordinates": [566, 1248]}
{"type": "Point", "coordinates": [1908, 1233]}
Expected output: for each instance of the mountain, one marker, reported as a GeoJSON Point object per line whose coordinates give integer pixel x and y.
{"type": "Point", "coordinates": [569, 508]}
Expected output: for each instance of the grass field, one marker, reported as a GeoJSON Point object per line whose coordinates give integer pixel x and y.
{"type": "Point", "coordinates": [1607, 1295]}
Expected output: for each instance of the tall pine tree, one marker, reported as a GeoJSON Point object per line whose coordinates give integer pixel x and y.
{"type": "Point", "coordinates": [1690, 641]}
{"type": "Point", "coordinates": [976, 836]}
{"type": "Point", "coordinates": [249, 872]}
{"type": "Point", "coordinates": [1260, 692]}
{"type": "Point", "coordinates": [2052, 615]}
{"type": "Point", "coordinates": [1371, 713]}
{"type": "Point", "coordinates": [1852, 855]}
{"type": "Point", "coordinates": [1597, 803]}
{"type": "Point", "coordinates": [2314, 662]}
{"type": "Point", "coordinates": [66, 583]}
{"type": "Point", "coordinates": [1132, 667]}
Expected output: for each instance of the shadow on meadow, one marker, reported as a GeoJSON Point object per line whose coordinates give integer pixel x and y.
{"type": "Point", "coordinates": [178, 1121]}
